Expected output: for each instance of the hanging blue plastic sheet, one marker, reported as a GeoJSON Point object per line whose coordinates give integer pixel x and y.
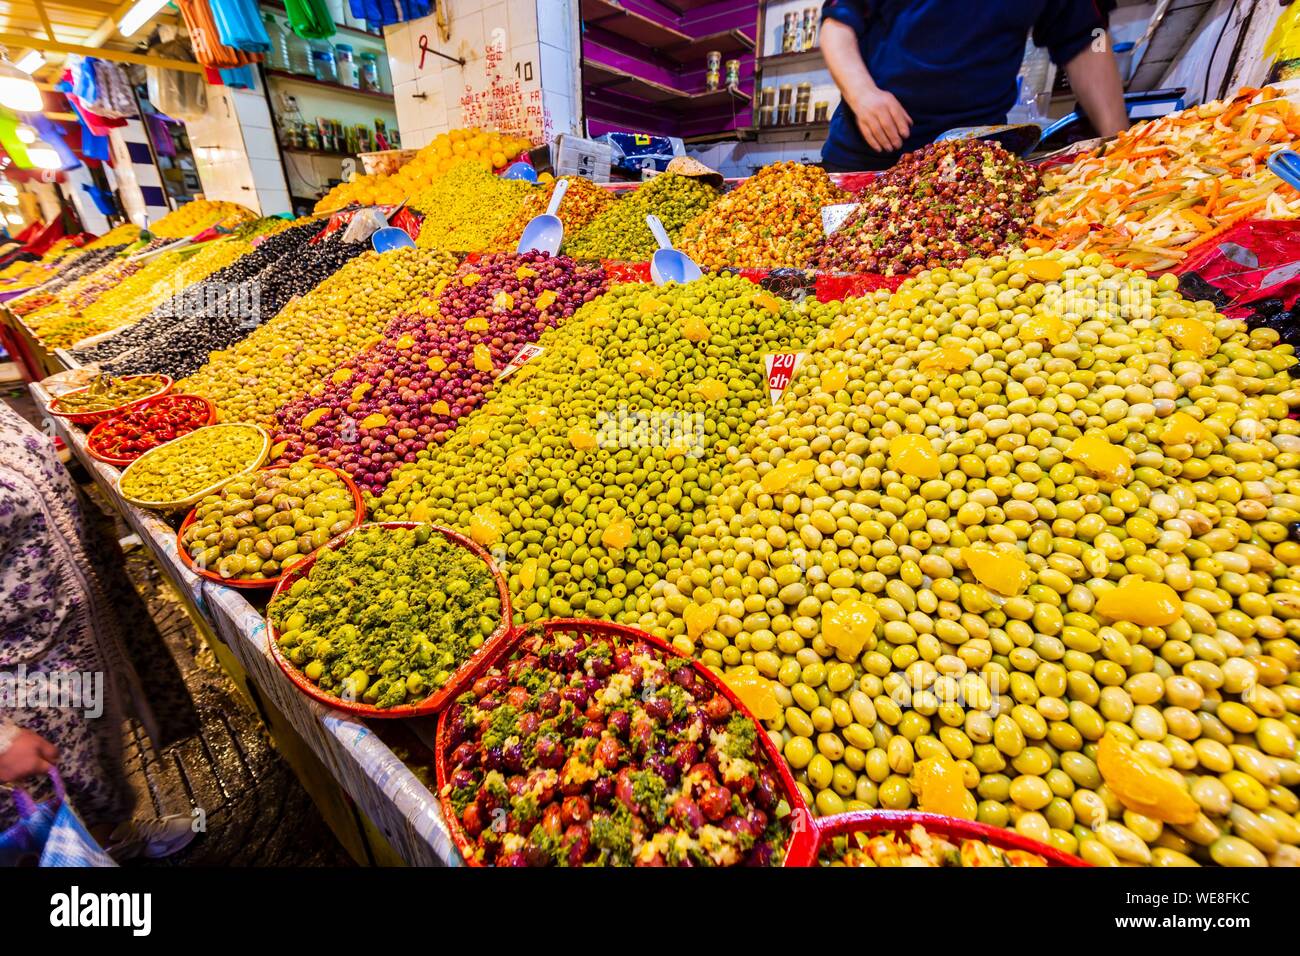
{"type": "Point", "coordinates": [239, 25]}
{"type": "Point", "coordinates": [83, 80]}
{"type": "Point", "coordinates": [385, 12]}
{"type": "Point", "coordinates": [238, 77]}
{"type": "Point", "coordinates": [102, 198]}
{"type": "Point", "coordinates": [49, 131]}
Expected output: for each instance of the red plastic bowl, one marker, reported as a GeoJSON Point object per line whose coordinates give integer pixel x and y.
{"type": "Point", "coordinates": [90, 418]}
{"type": "Point", "coordinates": [359, 505]}
{"type": "Point", "coordinates": [119, 460]}
{"type": "Point", "coordinates": [460, 680]}
{"type": "Point", "coordinates": [894, 821]}
{"type": "Point", "coordinates": [801, 840]}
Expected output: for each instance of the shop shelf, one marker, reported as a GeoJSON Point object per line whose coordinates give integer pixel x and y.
{"type": "Point", "coordinates": [599, 76]}
{"type": "Point", "coordinates": [287, 77]}
{"type": "Point", "coordinates": [790, 59]}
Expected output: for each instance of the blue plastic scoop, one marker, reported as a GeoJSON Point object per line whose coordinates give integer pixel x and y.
{"type": "Point", "coordinates": [1285, 165]}
{"type": "Point", "coordinates": [669, 265]}
{"type": "Point", "coordinates": [390, 238]}
{"type": "Point", "coordinates": [544, 233]}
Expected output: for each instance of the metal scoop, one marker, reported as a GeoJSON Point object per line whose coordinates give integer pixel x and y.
{"type": "Point", "coordinates": [669, 265]}
{"type": "Point", "coordinates": [545, 233]}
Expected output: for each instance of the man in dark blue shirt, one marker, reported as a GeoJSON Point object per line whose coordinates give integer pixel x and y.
{"type": "Point", "coordinates": [910, 69]}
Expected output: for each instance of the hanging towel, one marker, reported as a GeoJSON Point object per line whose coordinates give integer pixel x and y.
{"type": "Point", "coordinates": [310, 19]}
{"type": "Point", "coordinates": [239, 25]}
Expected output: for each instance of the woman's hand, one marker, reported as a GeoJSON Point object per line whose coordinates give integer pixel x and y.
{"type": "Point", "coordinates": [29, 755]}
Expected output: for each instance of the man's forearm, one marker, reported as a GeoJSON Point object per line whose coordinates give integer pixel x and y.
{"type": "Point", "coordinates": [1094, 77]}
{"type": "Point", "coordinates": [839, 46]}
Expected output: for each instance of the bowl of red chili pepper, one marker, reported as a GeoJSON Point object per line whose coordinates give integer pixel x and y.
{"type": "Point", "coordinates": [123, 439]}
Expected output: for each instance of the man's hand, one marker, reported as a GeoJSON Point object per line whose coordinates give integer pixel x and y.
{"type": "Point", "coordinates": [29, 755]}
{"type": "Point", "coordinates": [881, 118]}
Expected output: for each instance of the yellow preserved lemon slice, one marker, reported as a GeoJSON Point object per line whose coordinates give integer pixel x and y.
{"type": "Point", "coordinates": [477, 436]}
{"type": "Point", "coordinates": [618, 535]}
{"type": "Point", "coordinates": [710, 389]}
{"type": "Point", "coordinates": [528, 574]}
{"type": "Point", "coordinates": [436, 363]}
{"type": "Point", "coordinates": [755, 692]}
{"type": "Point", "coordinates": [359, 392]}
{"type": "Point", "coordinates": [588, 357]}
{"type": "Point", "coordinates": [581, 438]}
{"type": "Point", "coordinates": [278, 449]}
{"type": "Point", "coordinates": [502, 301]}
{"type": "Point", "coordinates": [341, 375]}
{"type": "Point", "coordinates": [699, 618]}
{"type": "Point", "coordinates": [694, 329]}
{"type": "Point", "coordinates": [405, 342]}
{"type": "Point", "coordinates": [914, 455]}
{"type": "Point", "coordinates": [537, 415]}
{"type": "Point", "coordinates": [1004, 571]}
{"type": "Point", "coordinates": [642, 364]}
{"type": "Point", "coordinates": [1144, 603]}
{"type": "Point", "coordinates": [1043, 328]}
{"type": "Point", "coordinates": [834, 379]}
{"type": "Point", "coordinates": [784, 475]}
{"type": "Point", "coordinates": [440, 407]}
{"type": "Point", "coordinates": [476, 323]}
{"type": "Point", "coordinates": [1141, 786]}
{"type": "Point", "coordinates": [849, 627]}
{"type": "Point", "coordinates": [516, 461]}
{"type": "Point", "coordinates": [765, 300]}
{"type": "Point", "coordinates": [1044, 270]}
{"type": "Point", "coordinates": [472, 278]}
{"type": "Point", "coordinates": [313, 416]}
{"type": "Point", "coordinates": [420, 512]}
{"type": "Point", "coordinates": [485, 526]}
{"type": "Point", "coordinates": [374, 420]}
{"type": "Point", "coordinates": [545, 300]}
{"type": "Point", "coordinates": [950, 358]}
{"type": "Point", "coordinates": [937, 782]}
{"type": "Point", "coordinates": [1189, 334]}
{"type": "Point", "coordinates": [523, 272]}
{"type": "Point", "coordinates": [1183, 429]}
{"type": "Point", "coordinates": [483, 358]}
{"type": "Point", "coordinates": [1101, 458]}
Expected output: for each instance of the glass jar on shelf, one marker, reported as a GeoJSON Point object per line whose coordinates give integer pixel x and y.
{"type": "Point", "coordinates": [323, 66]}
{"type": "Point", "coordinates": [784, 101]}
{"type": "Point", "coordinates": [346, 66]}
{"type": "Point", "coordinates": [368, 72]}
{"type": "Point", "coordinates": [802, 101]}
{"type": "Point", "coordinates": [298, 54]}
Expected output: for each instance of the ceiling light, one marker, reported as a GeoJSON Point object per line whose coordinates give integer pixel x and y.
{"type": "Point", "coordinates": [139, 15]}
{"type": "Point", "coordinates": [17, 91]}
{"type": "Point", "coordinates": [25, 134]}
{"type": "Point", "coordinates": [31, 61]}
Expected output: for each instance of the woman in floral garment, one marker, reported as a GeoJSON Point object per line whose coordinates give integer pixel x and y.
{"type": "Point", "coordinates": [55, 617]}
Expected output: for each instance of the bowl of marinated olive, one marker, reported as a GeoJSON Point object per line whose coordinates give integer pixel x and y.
{"type": "Point", "coordinates": [252, 530]}
{"type": "Point", "coordinates": [387, 620]}
{"type": "Point", "coordinates": [107, 396]}
{"type": "Point", "coordinates": [179, 474]}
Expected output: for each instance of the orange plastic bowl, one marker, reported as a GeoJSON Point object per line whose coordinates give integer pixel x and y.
{"type": "Point", "coordinates": [460, 679]}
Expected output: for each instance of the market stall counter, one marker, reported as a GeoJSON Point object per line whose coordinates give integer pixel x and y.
{"type": "Point", "coordinates": [354, 759]}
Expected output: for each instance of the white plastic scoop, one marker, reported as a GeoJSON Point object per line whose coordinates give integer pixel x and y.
{"type": "Point", "coordinates": [545, 233]}
{"type": "Point", "coordinates": [669, 265]}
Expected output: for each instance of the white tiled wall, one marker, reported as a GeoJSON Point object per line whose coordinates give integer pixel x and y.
{"type": "Point", "coordinates": [235, 151]}
{"type": "Point", "coordinates": [535, 42]}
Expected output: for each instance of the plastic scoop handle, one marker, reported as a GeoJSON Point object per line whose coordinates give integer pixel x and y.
{"type": "Point", "coordinates": [658, 231]}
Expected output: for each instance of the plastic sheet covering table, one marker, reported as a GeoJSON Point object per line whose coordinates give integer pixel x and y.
{"type": "Point", "coordinates": [363, 765]}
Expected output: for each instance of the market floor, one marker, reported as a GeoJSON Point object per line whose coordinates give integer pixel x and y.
{"type": "Point", "coordinates": [213, 754]}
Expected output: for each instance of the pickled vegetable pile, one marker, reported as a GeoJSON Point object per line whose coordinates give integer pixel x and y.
{"type": "Point", "coordinates": [771, 220]}
{"type": "Point", "coordinates": [193, 463]}
{"type": "Point", "coordinates": [149, 425]}
{"type": "Point", "coordinates": [919, 847]}
{"type": "Point", "coordinates": [596, 751]}
{"type": "Point", "coordinates": [388, 617]}
{"type": "Point", "coordinates": [936, 207]}
{"type": "Point", "coordinates": [107, 392]}
{"type": "Point", "coordinates": [583, 201]}
{"type": "Point", "coordinates": [1052, 520]}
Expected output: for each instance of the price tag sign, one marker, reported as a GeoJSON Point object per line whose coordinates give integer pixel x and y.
{"type": "Point", "coordinates": [522, 358]}
{"type": "Point", "coordinates": [781, 367]}
{"type": "Point", "coordinates": [833, 216]}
